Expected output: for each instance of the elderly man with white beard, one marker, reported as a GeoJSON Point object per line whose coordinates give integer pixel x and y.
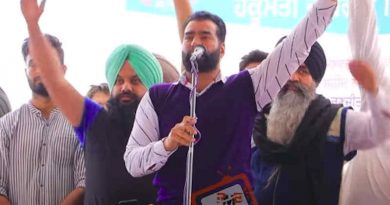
{"type": "Point", "coordinates": [303, 139]}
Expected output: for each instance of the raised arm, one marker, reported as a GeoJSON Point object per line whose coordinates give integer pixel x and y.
{"type": "Point", "coordinates": [183, 11]}
{"type": "Point", "coordinates": [52, 71]}
{"type": "Point", "coordinates": [367, 129]}
{"type": "Point", "coordinates": [363, 39]}
{"type": "Point", "coordinates": [285, 59]}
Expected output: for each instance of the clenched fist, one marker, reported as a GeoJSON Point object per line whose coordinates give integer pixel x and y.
{"type": "Point", "coordinates": [182, 134]}
{"type": "Point", "coordinates": [364, 75]}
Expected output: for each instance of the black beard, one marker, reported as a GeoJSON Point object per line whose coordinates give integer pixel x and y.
{"type": "Point", "coordinates": [38, 88]}
{"type": "Point", "coordinates": [123, 113]}
{"type": "Point", "coordinates": [206, 63]}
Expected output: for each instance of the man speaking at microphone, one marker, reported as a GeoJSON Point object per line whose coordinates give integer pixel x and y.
{"type": "Point", "coordinates": [225, 112]}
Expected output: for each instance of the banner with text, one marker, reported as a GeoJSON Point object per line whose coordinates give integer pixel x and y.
{"type": "Point", "coordinates": [265, 13]}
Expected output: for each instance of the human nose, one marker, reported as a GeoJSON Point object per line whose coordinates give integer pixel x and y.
{"type": "Point", "coordinates": [195, 41]}
{"type": "Point", "coordinates": [294, 77]}
{"type": "Point", "coordinates": [127, 86]}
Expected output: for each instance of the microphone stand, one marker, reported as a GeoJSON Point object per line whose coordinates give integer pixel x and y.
{"type": "Point", "coordinates": [190, 154]}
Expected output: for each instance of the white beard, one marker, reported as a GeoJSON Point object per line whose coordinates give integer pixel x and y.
{"type": "Point", "coordinates": [287, 112]}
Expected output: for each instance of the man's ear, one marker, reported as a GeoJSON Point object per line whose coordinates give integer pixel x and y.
{"type": "Point", "coordinates": [222, 49]}
{"type": "Point", "coordinates": [64, 67]}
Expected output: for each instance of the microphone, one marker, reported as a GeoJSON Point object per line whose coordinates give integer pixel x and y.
{"type": "Point", "coordinates": [198, 52]}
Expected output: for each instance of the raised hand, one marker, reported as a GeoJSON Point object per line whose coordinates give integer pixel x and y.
{"type": "Point", "coordinates": [364, 75]}
{"type": "Point", "coordinates": [182, 134]}
{"type": "Point", "coordinates": [31, 10]}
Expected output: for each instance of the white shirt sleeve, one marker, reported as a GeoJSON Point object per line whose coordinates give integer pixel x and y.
{"type": "Point", "coordinates": [273, 73]}
{"type": "Point", "coordinates": [363, 39]}
{"type": "Point", "coordinates": [364, 130]}
{"type": "Point", "coordinates": [145, 153]}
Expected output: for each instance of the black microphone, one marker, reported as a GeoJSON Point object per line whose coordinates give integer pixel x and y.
{"type": "Point", "coordinates": [198, 52]}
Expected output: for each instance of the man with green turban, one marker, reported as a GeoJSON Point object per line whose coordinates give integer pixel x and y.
{"type": "Point", "coordinates": [130, 71]}
{"type": "Point", "coordinates": [144, 64]}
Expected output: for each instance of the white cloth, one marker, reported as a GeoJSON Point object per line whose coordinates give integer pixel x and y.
{"type": "Point", "coordinates": [366, 178]}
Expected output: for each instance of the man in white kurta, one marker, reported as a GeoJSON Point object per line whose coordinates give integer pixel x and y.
{"type": "Point", "coordinates": [366, 178]}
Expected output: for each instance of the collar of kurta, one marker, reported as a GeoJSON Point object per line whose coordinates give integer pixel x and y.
{"type": "Point", "coordinates": [184, 81]}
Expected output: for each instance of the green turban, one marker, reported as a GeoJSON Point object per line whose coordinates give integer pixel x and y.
{"type": "Point", "coordinates": [143, 62]}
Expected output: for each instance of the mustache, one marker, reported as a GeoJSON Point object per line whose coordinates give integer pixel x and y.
{"type": "Point", "coordinates": [37, 79]}
{"type": "Point", "coordinates": [127, 94]}
{"type": "Point", "coordinates": [305, 91]}
{"type": "Point", "coordinates": [298, 86]}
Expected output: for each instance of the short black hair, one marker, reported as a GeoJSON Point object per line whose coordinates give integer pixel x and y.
{"type": "Point", "coordinates": [54, 41]}
{"type": "Point", "coordinates": [205, 15]}
{"type": "Point", "coordinates": [102, 87]}
{"type": "Point", "coordinates": [255, 56]}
